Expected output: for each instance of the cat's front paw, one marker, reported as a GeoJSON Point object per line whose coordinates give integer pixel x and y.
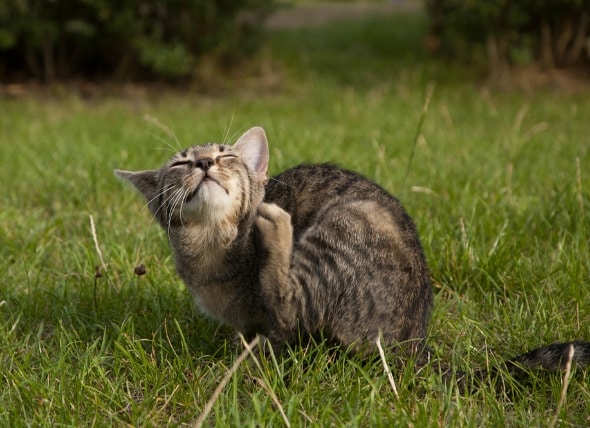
{"type": "Point", "coordinates": [274, 224]}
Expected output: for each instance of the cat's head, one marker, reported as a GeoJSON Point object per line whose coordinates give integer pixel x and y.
{"type": "Point", "coordinates": [208, 184]}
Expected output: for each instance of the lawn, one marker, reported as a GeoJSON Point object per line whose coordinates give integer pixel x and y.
{"type": "Point", "coordinates": [497, 182]}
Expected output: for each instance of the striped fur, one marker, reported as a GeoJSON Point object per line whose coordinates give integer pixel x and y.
{"type": "Point", "coordinates": [357, 266]}
{"type": "Point", "coordinates": [315, 250]}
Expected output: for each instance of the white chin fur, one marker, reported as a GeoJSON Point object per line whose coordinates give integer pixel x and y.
{"type": "Point", "coordinates": [211, 203]}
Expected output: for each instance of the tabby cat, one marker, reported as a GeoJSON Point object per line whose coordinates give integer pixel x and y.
{"type": "Point", "coordinates": [315, 250]}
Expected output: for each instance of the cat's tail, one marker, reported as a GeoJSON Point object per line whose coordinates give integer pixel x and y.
{"type": "Point", "coordinates": [554, 357]}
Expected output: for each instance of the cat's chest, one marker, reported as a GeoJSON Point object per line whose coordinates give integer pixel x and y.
{"type": "Point", "coordinates": [222, 279]}
{"type": "Point", "coordinates": [212, 300]}
{"type": "Point", "coordinates": [231, 303]}
{"type": "Point", "coordinates": [213, 290]}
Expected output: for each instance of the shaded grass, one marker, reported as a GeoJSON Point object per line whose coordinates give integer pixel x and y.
{"type": "Point", "coordinates": [494, 187]}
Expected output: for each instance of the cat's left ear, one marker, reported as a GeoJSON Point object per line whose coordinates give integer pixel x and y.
{"type": "Point", "coordinates": [146, 182]}
{"type": "Point", "coordinates": [253, 146]}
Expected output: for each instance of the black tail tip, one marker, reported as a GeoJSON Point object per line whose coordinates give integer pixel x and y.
{"type": "Point", "coordinates": [555, 357]}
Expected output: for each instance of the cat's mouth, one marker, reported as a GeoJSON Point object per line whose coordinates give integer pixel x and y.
{"type": "Point", "coordinates": [204, 181]}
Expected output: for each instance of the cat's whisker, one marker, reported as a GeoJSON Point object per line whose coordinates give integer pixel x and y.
{"type": "Point", "coordinates": [157, 195]}
{"type": "Point", "coordinates": [185, 193]}
{"type": "Point", "coordinates": [167, 149]}
{"type": "Point", "coordinates": [173, 199]}
{"type": "Point", "coordinates": [157, 137]}
{"type": "Point", "coordinates": [169, 209]}
{"type": "Point", "coordinates": [228, 128]}
{"type": "Point", "coordinates": [157, 210]}
{"type": "Point", "coordinates": [170, 147]}
{"type": "Point", "coordinates": [151, 223]}
{"type": "Point", "coordinates": [164, 201]}
{"type": "Point", "coordinates": [178, 144]}
{"type": "Point", "coordinates": [164, 128]}
{"type": "Point", "coordinates": [162, 204]}
{"type": "Point", "coordinates": [177, 198]}
{"type": "Point", "coordinates": [167, 198]}
{"type": "Point", "coordinates": [233, 136]}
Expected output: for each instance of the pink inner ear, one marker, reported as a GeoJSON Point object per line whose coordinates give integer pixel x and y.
{"type": "Point", "coordinates": [253, 148]}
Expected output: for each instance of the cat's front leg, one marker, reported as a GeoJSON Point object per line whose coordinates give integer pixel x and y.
{"type": "Point", "coordinates": [282, 296]}
{"type": "Point", "coordinates": [276, 231]}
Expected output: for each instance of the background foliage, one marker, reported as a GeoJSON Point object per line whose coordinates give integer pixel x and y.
{"type": "Point", "coordinates": [138, 39]}
{"type": "Point", "coordinates": [555, 33]}
{"type": "Point", "coordinates": [127, 38]}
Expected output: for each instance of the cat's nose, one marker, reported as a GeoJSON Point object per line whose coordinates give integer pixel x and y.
{"type": "Point", "coordinates": [204, 163]}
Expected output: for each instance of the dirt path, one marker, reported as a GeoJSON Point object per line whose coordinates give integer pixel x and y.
{"type": "Point", "coordinates": [317, 14]}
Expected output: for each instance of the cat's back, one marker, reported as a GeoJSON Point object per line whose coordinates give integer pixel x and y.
{"type": "Point", "coordinates": [306, 189]}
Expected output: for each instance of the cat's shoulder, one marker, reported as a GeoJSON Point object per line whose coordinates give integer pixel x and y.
{"type": "Point", "coordinates": [320, 171]}
{"type": "Point", "coordinates": [323, 182]}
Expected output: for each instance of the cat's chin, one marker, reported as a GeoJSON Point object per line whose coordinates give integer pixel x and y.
{"type": "Point", "coordinates": [209, 202]}
{"type": "Point", "coordinates": [207, 188]}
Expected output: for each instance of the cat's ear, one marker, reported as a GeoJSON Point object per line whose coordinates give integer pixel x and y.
{"type": "Point", "coordinates": [253, 147]}
{"type": "Point", "coordinates": [146, 182]}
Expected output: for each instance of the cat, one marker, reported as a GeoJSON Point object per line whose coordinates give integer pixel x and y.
{"type": "Point", "coordinates": [316, 250]}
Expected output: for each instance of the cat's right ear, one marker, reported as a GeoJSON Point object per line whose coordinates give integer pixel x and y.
{"type": "Point", "coordinates": [146, 182]}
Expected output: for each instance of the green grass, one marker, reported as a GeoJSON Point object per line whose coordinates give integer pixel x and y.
{"type": "Point", "coordinates": [494, 186]}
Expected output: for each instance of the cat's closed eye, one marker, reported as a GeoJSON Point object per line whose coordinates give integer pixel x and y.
{"type": "Point", "coordinates": [190, 163]}
{"type": "Point", "coordinates": [181, 163]}
{"type": "Point", "coordinates": [228, 155]}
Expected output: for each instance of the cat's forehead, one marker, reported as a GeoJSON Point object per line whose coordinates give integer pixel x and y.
{"type": "Point", "coordinates": [209, 149]}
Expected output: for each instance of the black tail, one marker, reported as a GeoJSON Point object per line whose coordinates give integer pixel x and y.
{"type": "Point", "coordinates": [554, 357]}
{"type": "Point", "coordinates": [549, 358]}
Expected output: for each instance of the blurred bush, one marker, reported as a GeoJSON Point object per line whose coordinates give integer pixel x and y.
{"type": "Point", "coordinates": [125, 39]}
{"type": "Point", "coordinates": [555, 33]}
